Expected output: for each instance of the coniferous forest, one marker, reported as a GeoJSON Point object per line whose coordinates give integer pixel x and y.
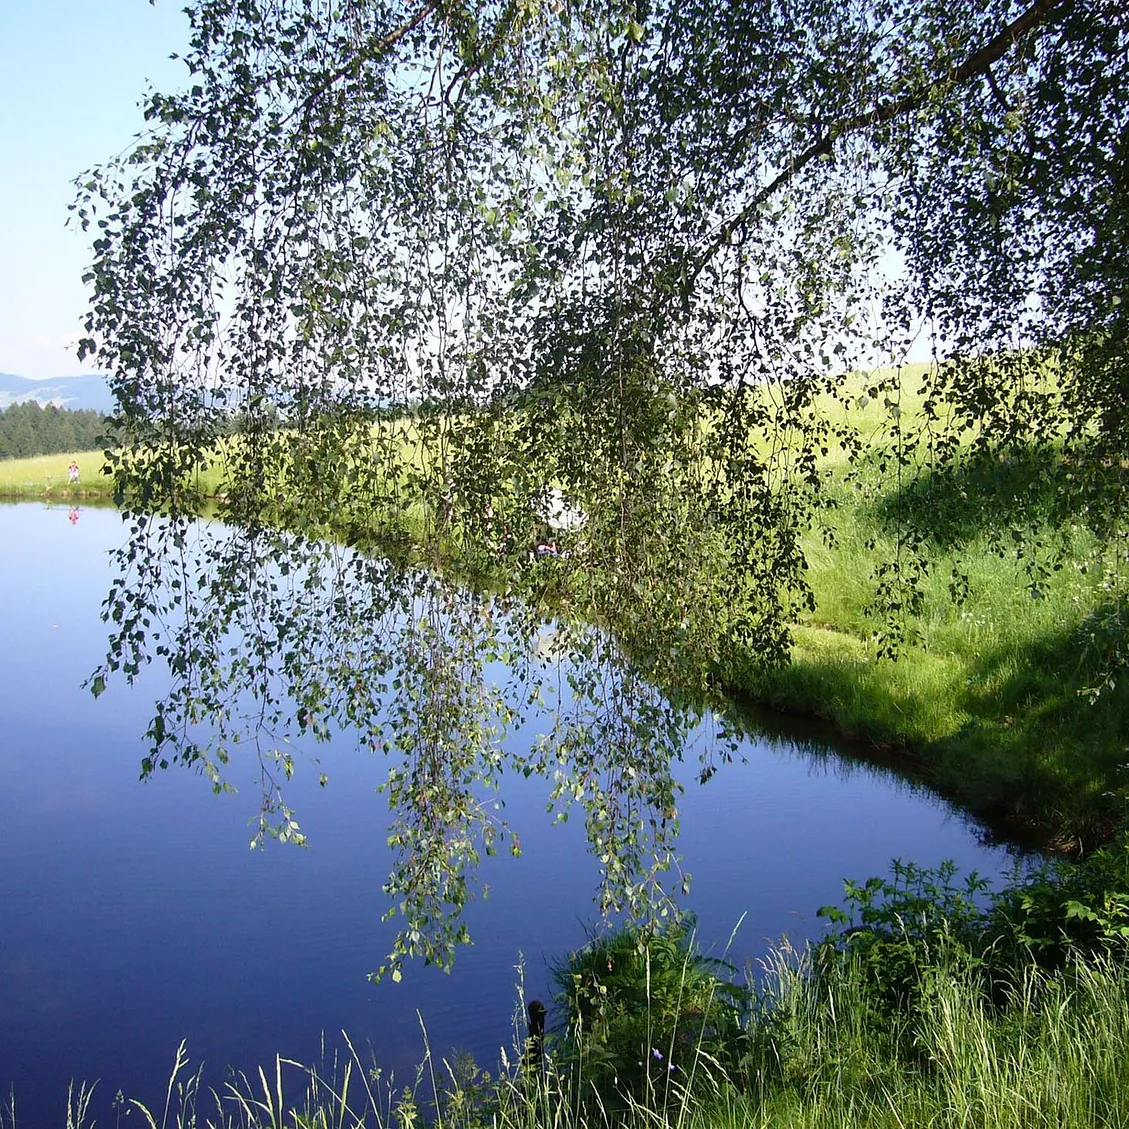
{"type": "Point", "coordinates": [32, 429]}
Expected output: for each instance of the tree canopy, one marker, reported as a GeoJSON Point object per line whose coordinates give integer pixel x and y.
{"type": "Point", "coordinates": [622, 251]}
{"type": "Point", "coordinates": [601, 220]}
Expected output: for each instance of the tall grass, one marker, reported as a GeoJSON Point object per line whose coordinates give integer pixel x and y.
{"type": "Point", "coordinates": [820, 1052]}
{"type": "Point", "coordinates": [1052, 1053]}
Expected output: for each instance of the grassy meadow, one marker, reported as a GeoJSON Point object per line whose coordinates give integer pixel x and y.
{"type": "Point", "coordinates": [1000, 695]}
{"type": "Point", "coordinates": [44, 477]}
{"type": "Point", "coordinates": [995, 696]}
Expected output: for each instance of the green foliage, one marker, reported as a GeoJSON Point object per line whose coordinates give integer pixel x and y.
{"type": "Point", "coordinates": [33, 429]}
{"type": "Point", "coordinates": [1007, 693]}
{"type": "Point", "coordinates": [573, 241]}
{"type": "Point", "coordinates": [1102, 640]}
{"type": "Point", "coordinates": [651, 1020]}
{"type": "Point", "coordinates": [1063, 912]}
{"type": "Point", "coordinates": [1051, 1051]}
{"type": "Point", "coordinates": [896, 937]}
{"type": "Point", "coordinates": [897, 933]}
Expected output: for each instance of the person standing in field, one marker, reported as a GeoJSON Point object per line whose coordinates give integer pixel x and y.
{"type": "Point", "coordinates": [72, 473]}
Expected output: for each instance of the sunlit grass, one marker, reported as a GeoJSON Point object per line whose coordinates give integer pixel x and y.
{"type": "Point", "coordinates": [992, 693]}
{"type": "Point", "coordinates": [1051, 1054]}
{"type": "Point", "coordinates": [46, 476]}
{"type": "Point", "coordinates": [1051, 1051]}
{"type": "Point", "coordinates": [992, 688]}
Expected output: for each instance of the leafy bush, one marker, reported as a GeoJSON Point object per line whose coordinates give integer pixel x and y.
{"type": "Point", "coordinates": [649, 1016]}
{"type": "Point", "coordinates": [1067, 910]}
{"type": "Point", "coordinates": [900, 932]}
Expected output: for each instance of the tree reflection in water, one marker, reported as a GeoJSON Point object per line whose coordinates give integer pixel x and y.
{"type": "Point", "coordinates": [279, 642]}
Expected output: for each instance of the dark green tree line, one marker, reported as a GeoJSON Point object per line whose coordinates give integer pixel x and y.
{"type": "Point", "coordinates": [34, 429]}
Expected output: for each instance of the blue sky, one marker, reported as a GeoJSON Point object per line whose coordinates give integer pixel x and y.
{"type": "Point", "coordinates": [71, 75]}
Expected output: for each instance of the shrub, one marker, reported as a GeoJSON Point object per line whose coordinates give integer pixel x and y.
{"type": "Point", "coordinates": [650, 1018]}
{"type": "Point", "coordinates": [1064, 910]}
{"type": "Point", "coordinates": [899, 932]}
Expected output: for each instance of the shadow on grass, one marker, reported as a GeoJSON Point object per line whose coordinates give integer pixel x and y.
{"type": "Point", "coordinates": [1047, 732]}
{"type": "Point", "coordinates": [1032, 741]}
{"type": "Point", "coordinates": [992, 491]}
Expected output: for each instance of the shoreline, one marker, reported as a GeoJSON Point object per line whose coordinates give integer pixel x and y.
{"type": "Point", "coordinates": [1039, 777]}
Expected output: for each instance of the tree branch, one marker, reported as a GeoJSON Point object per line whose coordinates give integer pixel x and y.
{"type": "Point", "coordinates": [372, 51]}
{"type": "Point", "coordinates": [979, 62]}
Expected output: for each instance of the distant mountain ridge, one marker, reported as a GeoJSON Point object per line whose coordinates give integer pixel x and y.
{"type": "Point", "coordinates": [72, 392]}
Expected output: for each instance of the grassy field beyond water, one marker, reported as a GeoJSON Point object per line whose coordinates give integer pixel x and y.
{"type": "Point", "coordinates": [44, 477]}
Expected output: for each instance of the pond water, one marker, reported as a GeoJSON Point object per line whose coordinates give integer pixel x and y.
{"type": "Point", "coordinates": [133, 915]}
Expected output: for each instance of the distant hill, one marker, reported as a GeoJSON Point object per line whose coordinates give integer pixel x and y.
{"type": "Point", "coordinates": [72, 392]}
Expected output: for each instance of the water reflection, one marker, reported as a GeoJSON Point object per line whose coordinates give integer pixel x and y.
{"type": "Point", "coordinates": [276, 643]}
{"type": "Point", "coordinates": [135, 915]}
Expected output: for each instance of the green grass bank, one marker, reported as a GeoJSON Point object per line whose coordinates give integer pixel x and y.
{"type": "Point", "coordinates": [1005, 700]}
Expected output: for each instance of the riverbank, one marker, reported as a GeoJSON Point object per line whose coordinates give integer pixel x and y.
{"type": "Point", "coordinates": [1006, 701]}
{"type": "Point", "coordinates": [1003, 700]}
{"type": "Point", "coordinates": [817, 1044]}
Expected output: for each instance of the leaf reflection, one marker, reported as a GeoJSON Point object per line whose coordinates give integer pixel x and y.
{"type": "Point", "coordinates": [280, 642]}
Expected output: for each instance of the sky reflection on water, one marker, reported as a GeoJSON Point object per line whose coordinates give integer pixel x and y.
{"type": "Point", "coordinates": [134, 915]}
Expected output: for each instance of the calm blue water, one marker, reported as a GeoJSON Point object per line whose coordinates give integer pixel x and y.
{"type": "Point", "coordinates": [134, 915]}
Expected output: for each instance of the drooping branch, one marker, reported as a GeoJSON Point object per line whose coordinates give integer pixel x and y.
{"type": "Point", "coordinates": [978, 63]}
